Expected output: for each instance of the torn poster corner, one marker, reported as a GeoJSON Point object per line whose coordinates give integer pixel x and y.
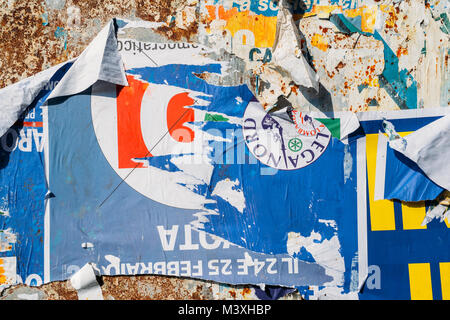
{"type": "Point", "coordinates": [82, 73]}
{"type": "Point", "coordinates": [101, 60]}
{"type": "Point", "coordinates": [398, 177]}
{"type": "Point", "coordinates": [86, 284]}
{"type": "Point", "coordinates": [396, 142]}
{"type": "Point", "coordinates": [428, 147]}
{"type": "Point", "coordinates": [440, 211]}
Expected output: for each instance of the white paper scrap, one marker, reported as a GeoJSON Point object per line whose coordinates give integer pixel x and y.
{"type": "Point", "coordinates": [438, 212]}
{"type": "Point", "coordinates": [286, 50]}
{"type": "Point", "coordinates": [85, 282]}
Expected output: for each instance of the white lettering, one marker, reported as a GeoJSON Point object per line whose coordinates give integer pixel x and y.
{"type": "Point", "coordinates": [168, 245]}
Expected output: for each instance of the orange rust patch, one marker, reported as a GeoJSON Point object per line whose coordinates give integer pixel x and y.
{"type": "Point", "coordinates": [155, 10]}
{"type": "Point", "coordinates": [246, 291]}
{"type": "Point", "coordinates": [401, 51]}
{"type": "Point", "coordinates": [177, 34]}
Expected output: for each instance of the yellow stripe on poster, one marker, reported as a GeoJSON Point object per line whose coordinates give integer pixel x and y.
{"type": "Point", "coordinates": [382, 216]}
{"type": "Point", "coordinates": [444, 268]}
{"type": "Point", "coordinates": [420, 281]}
{"type": "Point", "coordinates": [413, 214]}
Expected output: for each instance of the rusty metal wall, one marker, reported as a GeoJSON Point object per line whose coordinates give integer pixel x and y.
{"type": "Point", "coordinates": [37, 34]}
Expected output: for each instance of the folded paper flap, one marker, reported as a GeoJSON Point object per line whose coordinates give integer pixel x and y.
{"type": "Point", "coordinates": [101, 60]}
{"type": "Point", "coordinates": [286, 50]}
{"type": "Point", "coordinates": [429, 147]}
{"type": "Point", "coordinates": [14, 99]}
{"type": "Point", "coordinates": [86, 284]}
{"type": "Point", "coordinates": [84, 278]}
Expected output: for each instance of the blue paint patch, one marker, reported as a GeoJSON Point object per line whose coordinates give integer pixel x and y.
{"type": "Point", "coordinates": [60, 33]}
{"type": "Point", "coordinates": [120, 23]}
{"type": "Point", "coordinates": [45, 19]}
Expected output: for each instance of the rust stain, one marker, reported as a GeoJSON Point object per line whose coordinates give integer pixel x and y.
{"type": "Point", "coordinates": [340, 65]}
{"type": "Point", "coordinates": [232, 293]}
{"type": "Point", "coordinates": [401, 51]}
{"type": "Point", "coordinates": [23, 32]}
{"type": "Point", "coordinates": [141, 287]}
{"type": "Point", "coordinates": [177, 34]}
{"type": "Point", "coordinates": [156, 11]}
{"type": "Point", "coordinates": [246, 291]}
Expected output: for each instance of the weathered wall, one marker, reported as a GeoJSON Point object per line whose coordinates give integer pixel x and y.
{"type": "Point", "coordinates": [140, 288]}
{"type": "Point", "coordinates": [353, 68]}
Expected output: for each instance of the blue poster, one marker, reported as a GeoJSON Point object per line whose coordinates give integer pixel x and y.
{"type": "Point", "coordinates": [173, 175]}
{"type": "Point", "coordinates": [407, 260]}
{"type": "Point", "coordinates": [23, 188]}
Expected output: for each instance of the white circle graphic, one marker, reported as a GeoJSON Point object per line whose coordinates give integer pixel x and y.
{"type": "Point", "coordinates": [170, 187]}
{"type": "Point", "coordinates": [277, 143]}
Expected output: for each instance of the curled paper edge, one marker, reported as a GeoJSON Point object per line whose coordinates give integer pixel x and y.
{"type": "Point", "coordinates": [84, 281]}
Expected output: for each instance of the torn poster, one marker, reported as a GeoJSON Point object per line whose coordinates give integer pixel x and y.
{"type": "Point", "coordinates": [157, 142]}
{"type": "Point", "coordinates": [399, 177]}
{"type": "Point", "coordinates": [195, 163]}
{"type": "Point", "coordinates": [23, 187]}
{"type": "Point", "coordinates": [163, 172]}
{"type": "Point", "coordinates": [406, 259]}
{"type": "Point", "coordinates": [8, 267]}
{"type": "Point", "coordinates": [427, 147]}
{"type": "Point", "coordinates": [86, 284]}
{"type": "Point", "coordinates": [22, 178]}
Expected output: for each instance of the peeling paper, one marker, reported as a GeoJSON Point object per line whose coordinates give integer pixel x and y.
{"type": "Point", "coordinates": [396, 240]}
{"type": "Point", "coordinates": [200, 221]}
{"type": "Point", "coordinates": [438, 212]}
{"type": "Point", "coordinates": [397, 177]}
{"type": "Point", "coordinates": [428, 147]}
{"type": "Point", "coordinates": [348, 122]}
{"type": "Point", "coordinates": [14, 99]}
{"type": "Point", "coordinates": [86, 284]}
{"type": "Point", "coordinates": [99, 61]}
{"type": "Point", "coordinates": [286, 50]}
{"type": "Point", "coordinates": [7, 240]}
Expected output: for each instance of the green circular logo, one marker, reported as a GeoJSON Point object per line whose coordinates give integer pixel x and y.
{"type": "Point", "coordinates": [295, 144]}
